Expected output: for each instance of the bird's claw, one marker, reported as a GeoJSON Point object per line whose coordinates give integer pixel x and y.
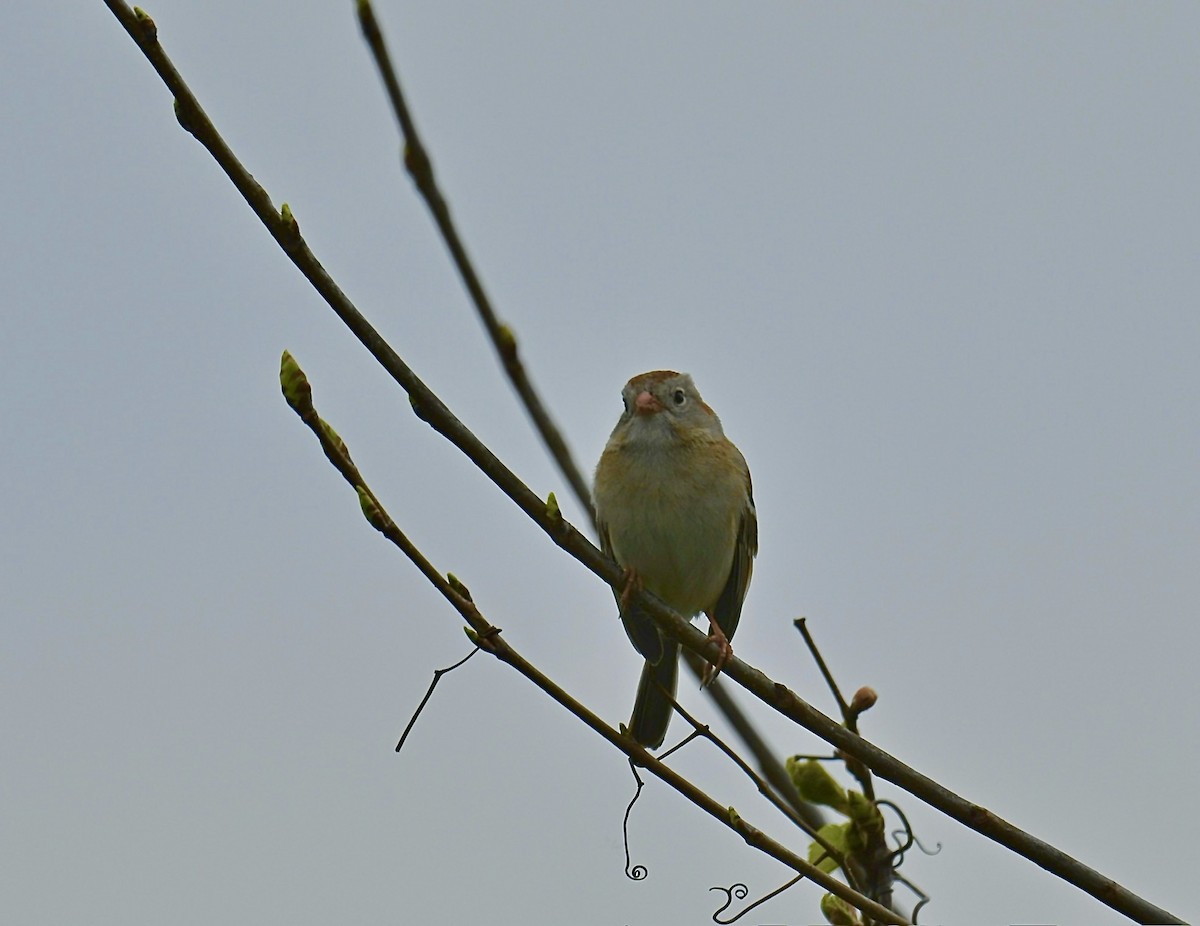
{"type": "Point", "coordinates": [717, 637]}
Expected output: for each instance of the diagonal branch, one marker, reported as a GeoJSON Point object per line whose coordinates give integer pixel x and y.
{"type": "Point", "coordinates": [420, 168]}
{"type": "Point", "coordinates": [285, 230]}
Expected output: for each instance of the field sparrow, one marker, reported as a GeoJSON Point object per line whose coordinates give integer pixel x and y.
{"type": "Point", "coordinates": [675, 510]}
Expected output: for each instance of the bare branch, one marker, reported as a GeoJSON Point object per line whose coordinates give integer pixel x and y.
{"type": "Point", "coordinates": [420, 168]}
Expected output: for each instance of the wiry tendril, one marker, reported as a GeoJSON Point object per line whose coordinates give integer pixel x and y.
{"type": "Point", "coordinates": [910, 838]}
{"type": "Point", "coordinates": [921, 846]}
{"type": "Point", "coordinates": [740, 891]}
{"type": "Point", "coordinates": [437, 677]}
{"type": "Point", "coordinates": [923, 898]}
{"type": "Point", "coordinates": [634, 872]}
{"type": "Point", "coordinates": [897, 856]}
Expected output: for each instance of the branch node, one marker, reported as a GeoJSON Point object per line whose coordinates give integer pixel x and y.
{"type": "Point", "coordinates": [370, 509]}
{"type": "Point", "coordinates": [486, 640]}
{"type": "Point", "coordinates": [149, 30]}
{"type": "Point", "coordinates": [418, 408]}
{"type": "Point", "coordinates": [507, 342]}
{"type": "Point", "coordinates": [291, 229]}
{"type": "Point", "coordinates": [459, 589]}
{"type": "Point", "coordinates": [296, 388]}
{"type": "Point", "coordinates": [183, 115]}
{"type": "Point", "coordinates": [418, 165]}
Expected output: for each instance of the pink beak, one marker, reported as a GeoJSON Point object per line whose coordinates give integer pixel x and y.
{"type": "Point", "coordinates": [646, 404]}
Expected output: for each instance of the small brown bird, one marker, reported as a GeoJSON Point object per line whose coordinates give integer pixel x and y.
{"type": "Point", "coordinates": [674, 508]}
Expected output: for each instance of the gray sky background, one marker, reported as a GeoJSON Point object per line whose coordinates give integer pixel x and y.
{"type": "Point", "coordinates": [936, 267]}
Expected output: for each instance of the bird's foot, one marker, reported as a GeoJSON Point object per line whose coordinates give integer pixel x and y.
{"type": "Point", "coordinates": [717, 637]}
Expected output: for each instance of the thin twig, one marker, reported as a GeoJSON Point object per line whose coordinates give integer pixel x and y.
{"type": "Point", "coordinates": [437, 677]}
{"type": "Point", "coordinates": [431, 409]}
{"type": "Point", "coordinates": [875, 857]}
{"type": "Point", "coordinates": [801, 624]}
{"type": "Point", "coordinates": [849, 716]}
{"type": "Point", "coordinates": [766, 790]}
{"type": "Point", "coordinates": [420, 168]}
{"type": "Point", "coordinates": [768, 761]}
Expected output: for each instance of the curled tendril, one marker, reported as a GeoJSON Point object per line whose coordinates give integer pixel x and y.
{"type": "Point", "coordinates": [740, 891]}
{"type": "Point", "coordinates": [910, 837]}
{"type": "Point", "coordinates": [632, 872]}
{"type": "Point", "coordinates": [921, 846]}
{"type": "Point", "coordinates": [897, 855]}
{"type": "Point", "coordinates": [923, 897]}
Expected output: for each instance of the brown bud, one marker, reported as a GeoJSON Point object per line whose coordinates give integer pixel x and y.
{"type": "Point", "coordinates": [864, 699]}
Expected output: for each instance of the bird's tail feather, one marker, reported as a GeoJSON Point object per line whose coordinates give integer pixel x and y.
{"type": "Point", "coordinates": [652, 709]}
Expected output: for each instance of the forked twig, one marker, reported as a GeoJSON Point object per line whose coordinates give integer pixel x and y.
{"type": "Point", "coordinates": [437, 677]}
{"type": "Point", "coordinates": [849, 716]}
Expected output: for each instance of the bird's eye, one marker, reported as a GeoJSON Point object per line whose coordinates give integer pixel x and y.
{"type": "Point", "coordinates": [679, 397]}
